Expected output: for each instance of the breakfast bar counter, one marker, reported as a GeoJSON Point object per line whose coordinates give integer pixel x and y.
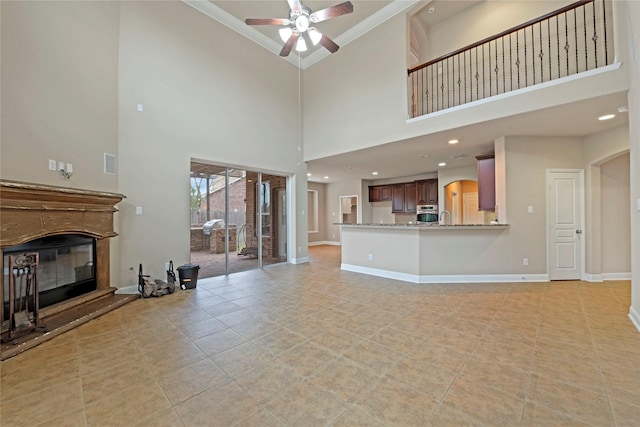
{"type": "Point", "coordinates": [430, 253]}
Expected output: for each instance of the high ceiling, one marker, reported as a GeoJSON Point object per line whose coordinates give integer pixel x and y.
{"type": "Point", "coordinates": [419, 155]}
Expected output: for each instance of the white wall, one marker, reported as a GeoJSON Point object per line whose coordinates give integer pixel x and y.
{"type": "Point", "coordinates": [616, 221]}
{"type": "Point", "coordinates": [205, 98]}
{"type": "Point", "coordinates": [598, 149]}
{"type": "Point", "coordinates": [59, 91]}
{"type": "Point", "coordinates": [484, 19]}
{"type": "Point", "coordinates": [632, 9]}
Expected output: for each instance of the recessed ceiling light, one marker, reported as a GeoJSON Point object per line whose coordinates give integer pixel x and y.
{"type": "Point", "coordinates": [374, 173]}
{"type": "Point", "coordinates": [607, 117]}
{"type": "Point", "coordinates": [431, 10]}
{"type": "Point", "coordinates": [423, 156]}
{"type": "Point", "coordinates": [442, 164]}
{"type": "Point", "coordinates": [308, 174]}
{"type": "Point", "coordinates": [458, 156]}
{"type": "Point", "coordinates": [326, 177]}
{"type": "Point", "coordinates": [453, 141]}
{"type": "Point", "coordinates": [624, 109]}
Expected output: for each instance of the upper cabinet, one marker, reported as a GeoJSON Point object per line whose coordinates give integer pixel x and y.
{"type": "Point", "coordinates": [427, 192]}
{"type": "Point", "coordinates": [379, 193]}
{"type": "Point", "coordinates": [486, 183]}
{"type": "Point", "coordinates": [403, 198]}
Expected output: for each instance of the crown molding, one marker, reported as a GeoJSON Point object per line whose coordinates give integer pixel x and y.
{"type": "Point", "coordinates": [358, 30]}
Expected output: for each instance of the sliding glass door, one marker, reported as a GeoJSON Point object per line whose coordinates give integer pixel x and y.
{"type": "Point", "coordinates": [238, 219]}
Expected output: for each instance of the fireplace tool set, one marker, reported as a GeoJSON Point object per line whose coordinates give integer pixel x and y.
{"type": "Point", "coordinates": [23, 294]}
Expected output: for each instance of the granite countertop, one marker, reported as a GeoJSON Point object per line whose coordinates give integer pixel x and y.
{"type": "Point", "coordinates": [430, 226]}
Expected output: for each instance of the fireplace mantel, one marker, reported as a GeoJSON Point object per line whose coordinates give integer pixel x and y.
{"type": "Point", "coordinates": [29, 211]}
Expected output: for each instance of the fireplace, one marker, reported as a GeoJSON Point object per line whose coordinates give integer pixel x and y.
{"type": "Point", "coordinates": [65, 268]}
{"type": "Point", "coordinates": [69, 228]}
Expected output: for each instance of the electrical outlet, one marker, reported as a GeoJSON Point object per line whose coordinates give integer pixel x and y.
{"type": "Point", "coordinates": [166, 266]}
{"type": "Point", "coordinates": [138, 210]}
{"type": "Point", "coordinates": [525, 261]}
{"type": "Point", "coordinates": [529, 209]}
{"type": "Point", "coordinates": [370, 257]}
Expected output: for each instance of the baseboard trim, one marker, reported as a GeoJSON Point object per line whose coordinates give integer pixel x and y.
{"type": "Point", "coordinates": [616, 276]}
{"type": "Point", "coordinates": [592, 277]}
{"type": "Point", "coordinates": [301, 260]}
{"type": "Point", "coordinates": [635, 318]}
{"type": "Point", "coordinates": [431, 279]}
{"type": "Point", "coordinates": [325, 242]}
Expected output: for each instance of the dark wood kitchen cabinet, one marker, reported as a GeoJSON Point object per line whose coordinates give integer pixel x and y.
{"type": "Point", "coordinates": [427, 192]}
{"type": "Point", "coordinates": [410, 197]}
{"type": "Point", "coordinates": [379, 193]}
{"type": "Point", "coordinates": [486, 183]}
{"type": "Point", "coordinates": [403, 198]}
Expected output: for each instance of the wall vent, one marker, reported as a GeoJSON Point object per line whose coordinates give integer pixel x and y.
{"type": "Point", "coordinates": [109, 164]}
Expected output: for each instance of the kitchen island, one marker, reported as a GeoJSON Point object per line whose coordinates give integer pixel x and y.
{"type": "Point", "coordinates": [430, 253]}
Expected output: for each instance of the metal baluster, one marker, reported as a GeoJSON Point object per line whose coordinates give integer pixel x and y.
{"type": "Point", "coordinates": [497, 69]}
{"type": "Point", "coordinates": [483, 81]}
{"type": "Point", "coordinates": [464, 74]}
{"type": "Point", "coordinates": [459, 82]}
{"type": "Point", "coordinates": [566, 36]}
{"type": "Point", "coordinates": [421, 87]}
{"type": "Point", "coordinates": [518, 57]}
{"type": "Point", "coordinates": [586, 45]}
{"type": "Point", "coordinates": [549, 39]}
{"type": "Point", "coordinates": [431, 81]}
{"type": "Point", "coordinates": [575, 35]}
{"type": "Point", "coordinates": [595, 35]}
{"type": "Point", "coordinates": [541, 54]}
{"type": "Point", "coordinates": [490, 79]}
{"type": "Point", "coordinates": [604, 18]}
{"type": "Point", "coordinates": [504, 77]}
{"type": "Point", "coordinates": [477, 77]}
{"type": "Point", "coordinates": [526, 69]}
{"type": "Point", "coordinates": [533, 50]}
{"type": "Point", "coordinates": [510, 64]}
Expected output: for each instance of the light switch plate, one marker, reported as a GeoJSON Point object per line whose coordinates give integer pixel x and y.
{"type": "Point", "coordinates": [52, 165]}
{"type": "Point", "coordinates": [530, 209]}
{"type": "Point", "coordinates": [638, 204]}
{"type": "Point", "coordinates": [138, 210]}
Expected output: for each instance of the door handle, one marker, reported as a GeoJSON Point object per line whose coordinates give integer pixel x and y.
{"type": "Point", "coordinates": [578, 231]}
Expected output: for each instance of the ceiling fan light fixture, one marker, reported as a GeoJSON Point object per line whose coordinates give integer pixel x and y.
{"type": "Point", "coordinates": [285, 33]}
{"type": "Point", "coordinates": [315, 36]}
{"type": "Point", "coordinates": [301, 45]}
{"type": "Point", "coordinates": [302, 23]}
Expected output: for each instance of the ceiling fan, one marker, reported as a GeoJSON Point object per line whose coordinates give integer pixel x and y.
{"type": "Point", "coordinates": [299, 24]}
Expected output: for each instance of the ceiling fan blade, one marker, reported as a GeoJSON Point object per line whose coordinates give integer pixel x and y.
{"type": "Point", "coordinates": [329, 44]}
{"type": "Point", "coordinates": [332, 12]}
{"type": "Point", "coordinates": [295, 5]}
{"type": "Point", "coordinates": [286, 49]}
{"type": "Point", "coordinates": [266, 21]}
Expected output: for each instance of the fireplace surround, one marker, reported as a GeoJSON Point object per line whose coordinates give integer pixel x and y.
{"type": "Point", "coordinates": [32, 212]}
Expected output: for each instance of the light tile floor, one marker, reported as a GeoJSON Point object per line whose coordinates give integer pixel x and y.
{"type": "Point", "coordinates": [311, 345]}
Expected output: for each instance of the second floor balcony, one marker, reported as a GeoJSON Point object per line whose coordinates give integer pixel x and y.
{"type": "Point", "coordinates": [573, 39]}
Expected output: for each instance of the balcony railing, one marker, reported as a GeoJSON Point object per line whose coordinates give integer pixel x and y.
{"type": "Point", "coordinates": [571, 40]}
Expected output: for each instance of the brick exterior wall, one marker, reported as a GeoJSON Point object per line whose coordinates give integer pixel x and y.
{"type": "Point", "coordinates": [242, 195]}
{"type": "Point", "coordinates": [215, 242]}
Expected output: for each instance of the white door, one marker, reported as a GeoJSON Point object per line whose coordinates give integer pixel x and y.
{"type": "Point", "coordinates": [564, 224]}
{"type": "Point", "coordinates": [470, 212]}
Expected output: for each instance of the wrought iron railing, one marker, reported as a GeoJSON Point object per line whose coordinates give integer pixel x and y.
{"type": "Point", "coordinates": [570, 40]}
